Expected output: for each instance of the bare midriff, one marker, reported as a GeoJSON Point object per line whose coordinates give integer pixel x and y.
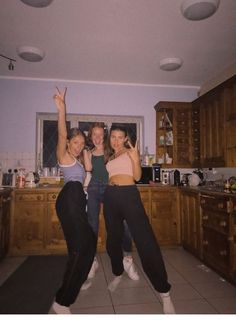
{"type": "Point", "coordinates": [121, 180]}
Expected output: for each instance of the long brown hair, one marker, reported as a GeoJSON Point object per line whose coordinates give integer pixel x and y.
{"type": "Point", "coordinates": [73, 132]}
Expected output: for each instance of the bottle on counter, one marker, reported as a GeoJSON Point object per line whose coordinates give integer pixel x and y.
{"type": "Point", "coordinates": [146, 157]}
{"type": "Point", "coordinates": [227, 185]}
{"type": "Point", "coordinates": [20, 179]}
{"type": "Point", "coordinates": [14, 176]}
{"type": "Point", "coordinates": [0, 174]}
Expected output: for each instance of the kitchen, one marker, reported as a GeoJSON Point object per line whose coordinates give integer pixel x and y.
{"type": "Point", "coordinates": [22, 98]}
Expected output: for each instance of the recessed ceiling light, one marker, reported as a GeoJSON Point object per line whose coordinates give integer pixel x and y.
{"type": "Point", "coordinates": [37, 3]}
{"type": "Point", "coordinates": [199, 9]}
{"type": "Point", "coordinates": [29, 53]}
{"type": "Point", "coordinates": [171, 64]}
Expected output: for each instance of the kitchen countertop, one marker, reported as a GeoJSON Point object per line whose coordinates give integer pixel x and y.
{"type": "Point", "coordinates": [213, 190]}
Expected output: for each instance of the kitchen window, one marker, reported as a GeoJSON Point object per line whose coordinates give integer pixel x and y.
{"type": "Point", "coordinates": [46, 126]}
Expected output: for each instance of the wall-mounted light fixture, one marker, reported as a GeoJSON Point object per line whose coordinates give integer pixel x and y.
{"type": "Point", "coordinates": [11, 60]}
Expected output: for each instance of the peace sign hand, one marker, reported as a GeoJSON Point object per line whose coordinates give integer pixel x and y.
{"type": "Point", "coordinates": [133, 152]}
{"type": "Point", "coordinates": [59, 99]}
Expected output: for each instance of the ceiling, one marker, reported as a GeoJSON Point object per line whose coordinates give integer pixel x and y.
{"type": "Point", "coordinates": [117, 41]}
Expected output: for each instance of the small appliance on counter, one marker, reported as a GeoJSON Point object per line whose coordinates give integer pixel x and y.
{"type": "Point", "coordinates": [156, 173]}
{"type": "Point", "coordinates": [185, 180]}
{"type": "Point", "coordinates": [177, 177]}
{"type": "Point", "coordinates": [30, 180]}
{"type": "Point", "coordinates": [165, 177]}
{"type": "Point", "coordinates": [150, 173]}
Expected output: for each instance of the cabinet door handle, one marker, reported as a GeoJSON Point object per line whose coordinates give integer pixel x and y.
{"type": "Point", "coordinates": [223, 253]}
{"type": "Point", "coordinates": [6, 200]}
{"type": "Point", "coordinates": [54, 196]}
{"type": "Point", "coordinates": [223, 223]}
{"type": "Point", "coordinates": [208, 196]}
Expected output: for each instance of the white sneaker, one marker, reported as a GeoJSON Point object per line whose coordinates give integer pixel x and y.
{"type": "Point", "coordinates": [93, 269]}
{"type": "Point", "coordinates": [130, 268]}
{"type": "Point", "coordinates": [168, 306]}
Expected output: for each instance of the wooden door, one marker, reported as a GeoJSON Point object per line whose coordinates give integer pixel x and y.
{"type": "Point", "coordinates": [29, 220]}
{"type": "Point", "coordinates": [190, 222]}
{"type": "Point", "coordinates": [165, 216]}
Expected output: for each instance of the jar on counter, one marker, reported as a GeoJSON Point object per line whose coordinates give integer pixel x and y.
{"type": "Point", "coordinates": [20, 178]}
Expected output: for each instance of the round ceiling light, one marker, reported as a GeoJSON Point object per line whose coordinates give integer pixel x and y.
{"type": "Point", "coordinates": [37, 3]}
{"type": "Point", "coordinates": [171, 64]}
{"type": "Point", "coordinates": [31, 54]}
{"type": "Point", "coordinates": [199, 9]}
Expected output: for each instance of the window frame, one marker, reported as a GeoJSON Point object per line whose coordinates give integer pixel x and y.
{"type": "Point", "coordinates": [74, 120]}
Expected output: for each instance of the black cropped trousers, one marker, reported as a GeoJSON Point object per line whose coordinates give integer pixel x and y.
{"type": "Point", "coordinates": [80, 240]}
{"type": "Point", "coordinates": [124, 202]}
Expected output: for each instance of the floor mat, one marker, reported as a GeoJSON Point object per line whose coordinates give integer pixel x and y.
{"type": "Point", "coordinates": [32, 287]}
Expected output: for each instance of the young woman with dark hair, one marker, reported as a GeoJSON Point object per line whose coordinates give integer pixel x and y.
{"type": "Point", "coordinates": [122, 201]}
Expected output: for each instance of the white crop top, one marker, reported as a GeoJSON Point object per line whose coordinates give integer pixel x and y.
{"type": "Point", "coordinates": [121, 165]}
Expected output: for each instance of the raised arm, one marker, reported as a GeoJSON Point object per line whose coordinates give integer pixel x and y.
{"type": "Point", "coordinates": [133, 152]}
{"type": "Point", "coordinates": [59, 99]}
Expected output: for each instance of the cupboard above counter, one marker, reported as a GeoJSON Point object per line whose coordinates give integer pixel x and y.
{"type": "Point", "coordinates": [203, 131]}
{"type": "Point", "coordinates": [175, 139]}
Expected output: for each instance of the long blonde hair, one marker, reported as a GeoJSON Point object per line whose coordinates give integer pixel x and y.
{"type": "Point", "coordinates": [105, 138]}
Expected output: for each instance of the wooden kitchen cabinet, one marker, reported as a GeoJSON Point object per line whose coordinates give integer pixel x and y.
{"type": "Point", "coordinates": [175, 139]}
{"type": "Point", "coordinates": [218, 125]}
{"type": "Point", "coordinates": [146, 197]}
{"type": "Point", "coordinates": [29, 215]}
{"type": "Point", "coordinates": [165, 218]}
{"type": "Point", "coordinates": [212, 129]}
{"type": "Point", "coordinates": [230, 122]}
{"type": "Point", "coordinates": [54, 237]}
{"type": "Point", "coordinates": [219, 234]}
{"type": "Point", "coordinates": [35, 228]}
{"type": "Point", "coordinates": [191, 229]}
{"type": "Point", "coordinates": [5, 200]}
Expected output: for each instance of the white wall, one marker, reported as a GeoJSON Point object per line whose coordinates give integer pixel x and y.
{"type": "Point", "coordinates": [20, 99]}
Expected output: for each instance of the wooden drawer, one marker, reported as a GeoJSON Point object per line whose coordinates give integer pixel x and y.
{"type": "Point", "coordinates": [216, 249]}
{"type": "Point", "coordinates": [216, 220]}
{"type": "Point", "coordinates": [30, 197]}
{"type": "Point", "coordinates": [215, 203]}
{"type": "Point", "coordinates": [52, 196]}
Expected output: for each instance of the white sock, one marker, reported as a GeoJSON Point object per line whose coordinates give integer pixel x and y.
{"type": "Point", "coordinates": [61, 309]}
{"type": "Point", "coordinates": [168, 306]}
{"type": "Point", "coordinates": [86, 285]}
{"type": "Point", "coordinates": [114, 283]}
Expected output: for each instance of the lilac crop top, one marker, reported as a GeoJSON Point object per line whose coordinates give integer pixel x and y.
{"type": "Point", "coordinates": [121, 165]}
{"type": "Point", "coordinates": [74, 172]}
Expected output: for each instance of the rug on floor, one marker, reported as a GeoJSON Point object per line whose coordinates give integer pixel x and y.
{"type": "Point", "coordinates": [32, 287]}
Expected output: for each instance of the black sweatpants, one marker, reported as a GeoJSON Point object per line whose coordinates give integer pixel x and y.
{"type": "Point", "coordinates": [80, 240]}
{"type": "Point", "coordinates": [124, 202]}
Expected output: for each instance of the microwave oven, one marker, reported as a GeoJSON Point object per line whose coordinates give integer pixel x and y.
{"type": "Point", "coordinates": [150, 173]}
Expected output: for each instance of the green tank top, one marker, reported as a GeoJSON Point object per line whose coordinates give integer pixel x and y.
{"type": "Point", "coordinates": [99, 172]}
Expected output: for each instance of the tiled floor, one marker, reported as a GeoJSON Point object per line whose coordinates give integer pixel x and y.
{"type": "Point", "coordinates": [196, 289]}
